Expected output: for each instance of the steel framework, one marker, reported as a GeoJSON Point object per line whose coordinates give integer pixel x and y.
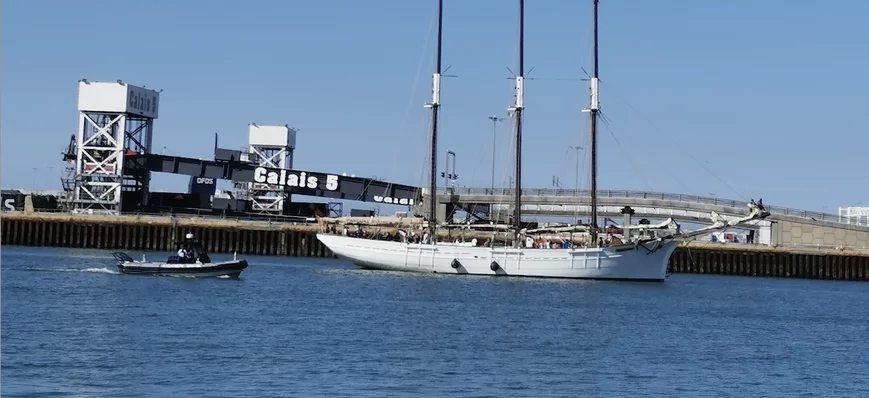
{"type": "Point", "coordinates": [271, 147]}
{"type": "Point", "coordinates": [115, 120]}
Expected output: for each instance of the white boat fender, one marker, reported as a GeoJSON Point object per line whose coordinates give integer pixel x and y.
{"type": "Point", "coordinates": [455, 264]}
{"type": "Point", "coordinates": [494, 266]}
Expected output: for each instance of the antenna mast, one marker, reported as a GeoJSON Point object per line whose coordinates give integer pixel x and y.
{"type": "Point", "coordinates": [517, 117]}
{"type": "Point", "coordinates": [435, 103]}
{"type": "Point", "coordinates": [593, 108]}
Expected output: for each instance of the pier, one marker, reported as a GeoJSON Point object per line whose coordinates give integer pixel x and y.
{"type": "Point", "coordinates": [147, 233]}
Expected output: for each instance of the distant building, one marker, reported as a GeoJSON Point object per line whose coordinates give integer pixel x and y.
{"type": "Point", "coordinates": [854, 215]}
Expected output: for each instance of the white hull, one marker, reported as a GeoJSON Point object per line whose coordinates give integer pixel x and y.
{"type": "Point", "coordinates": [627, 262]}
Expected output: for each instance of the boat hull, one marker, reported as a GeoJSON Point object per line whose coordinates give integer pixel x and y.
{"type": "Point", "coordinates": [231, 269]}
{"type": "Point", "coordinates": [647, 262]}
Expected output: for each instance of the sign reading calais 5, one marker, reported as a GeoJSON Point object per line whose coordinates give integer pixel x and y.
{"type": "Point", "coordinates": [142, 101]}
{"type": "Point", "coordinates": [290, 179]}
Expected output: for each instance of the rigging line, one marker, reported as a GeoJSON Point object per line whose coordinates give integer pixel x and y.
{"type": "Point", "coordinates": [419, 64]}
{"type": "Point", "coordinates": [624, 152]}
{"type": "Point", "coordinates": [511, 153]}
{"type": "Point", "coordinates": [580, 79]}
{"type": "Point", "coordinates": [565, 163]}
{"type": "Point", "coordinates": [663, 167]}
{"type": "Point", "coordinates": [507, 172]}
{"type": "Point", "coordinates": [676, 143]}
{"type": "Point", "coordinates": [481, 149]}
{"type": "Point", "coordinates": [424, 160]}
{"type": "Point", "coordinates": [579, 180]}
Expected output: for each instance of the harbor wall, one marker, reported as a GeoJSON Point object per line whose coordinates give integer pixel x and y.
{"type": "Point", "coordinates": [260, 238]}
{"type": "Point", "coordinates": [761, 261]}
{"type": "Point", "coordinates": [159, 234]}
{"type": "Point", "coordinates": [795, 232]}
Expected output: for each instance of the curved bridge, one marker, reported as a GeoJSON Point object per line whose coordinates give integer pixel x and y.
{"type": "Point", "coordinates": [785, 225]}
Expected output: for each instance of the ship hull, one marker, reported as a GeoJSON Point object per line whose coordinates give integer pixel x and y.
{"type": "Point", "coordinates": [646, 262]}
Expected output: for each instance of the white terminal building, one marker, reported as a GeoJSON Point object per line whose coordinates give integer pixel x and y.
{"type": "Point", "coordinates": [854, 215]}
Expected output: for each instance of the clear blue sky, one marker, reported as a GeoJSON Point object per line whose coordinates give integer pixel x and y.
{"type": "Point", "coordinates": [770, 96]}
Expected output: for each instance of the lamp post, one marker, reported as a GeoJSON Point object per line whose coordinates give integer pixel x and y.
{"type": "Point", "coordinates": [495, 121]}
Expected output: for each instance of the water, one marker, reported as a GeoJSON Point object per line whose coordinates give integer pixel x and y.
{"type": "Point", "coordinates": [313, 327]}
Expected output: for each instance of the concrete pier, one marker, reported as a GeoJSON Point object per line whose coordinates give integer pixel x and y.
{"type": "Point", "coordinates": [263, 238]}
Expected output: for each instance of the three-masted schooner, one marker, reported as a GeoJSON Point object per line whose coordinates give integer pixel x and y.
{"type": "Point", "coordinates": [643, 258]}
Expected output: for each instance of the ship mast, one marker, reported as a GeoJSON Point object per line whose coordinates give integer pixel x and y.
{"type": "Point", "coordinates": [435, 103]}
{"type": "Point", "coordinates": [593, 109]}
{"type": "Point", "coordinates": [517, 117]}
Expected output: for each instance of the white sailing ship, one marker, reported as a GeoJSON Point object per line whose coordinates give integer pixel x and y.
{"type": "Point", "coordinates": [643, 257]}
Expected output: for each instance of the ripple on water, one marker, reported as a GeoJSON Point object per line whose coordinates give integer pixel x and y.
{"type": "Point", "coordinates": [73, 326]}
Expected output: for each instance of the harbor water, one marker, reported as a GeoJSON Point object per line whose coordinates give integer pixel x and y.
{"type": "Point", "coordinates": [73, 326]}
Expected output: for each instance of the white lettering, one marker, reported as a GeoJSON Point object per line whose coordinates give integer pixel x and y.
{"type": "Point", "coordinates": [288, 178]}
{"type": "Point", "coordinates": [204, 180]}
{"type": "Point", "coordinates": [292, 181]}
{"type": "Point", "coordinates": [331, 182]}
{"type": "Point", "coordinates": [259, 175]}
{"type": "Point", "coordinates": [9, 204]}
{"type": "Point", "coordinates": [391, 200]}
{"type": "Point", "coordinates": [273, 178]}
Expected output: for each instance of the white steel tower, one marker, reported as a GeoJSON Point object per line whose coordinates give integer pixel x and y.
{"type": "Point", "coordinates": [272, 147]}
{"type": "Point", "coordinates": [115, 119]}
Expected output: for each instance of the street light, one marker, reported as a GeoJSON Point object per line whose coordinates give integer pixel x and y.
{"type": "Point", "coordinates": [495, 121]}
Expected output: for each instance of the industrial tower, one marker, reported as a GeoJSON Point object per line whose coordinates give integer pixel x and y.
{"type": "Point", "coordinates": [272, 147]}
{"type": "Point", "coordinates": [115, 120]}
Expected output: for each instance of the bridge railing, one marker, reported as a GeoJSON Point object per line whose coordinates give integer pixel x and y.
{"type": "Point", "coordinates": [707, 200]}
{"type": "Point", "coordinates": [255, 218]}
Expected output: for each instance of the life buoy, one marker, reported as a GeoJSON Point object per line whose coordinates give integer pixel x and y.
{"type": "Point", "coordinates": [494, 266]}
{"type": "Point", "coordinates": [455, 264]}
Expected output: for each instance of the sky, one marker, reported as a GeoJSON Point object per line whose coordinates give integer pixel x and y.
{"type": "Point", "coordinates": [740, 99]}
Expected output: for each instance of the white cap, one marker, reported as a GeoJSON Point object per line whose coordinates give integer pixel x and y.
{"type": "Point", "coordinates": [189, 235]}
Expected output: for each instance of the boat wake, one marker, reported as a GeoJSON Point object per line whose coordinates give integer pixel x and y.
{"type": "Point", "coordinates": [103, 270]}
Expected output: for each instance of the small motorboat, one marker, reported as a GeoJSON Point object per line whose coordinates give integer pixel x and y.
{"type": "Point", "coordinates": [190, 261]}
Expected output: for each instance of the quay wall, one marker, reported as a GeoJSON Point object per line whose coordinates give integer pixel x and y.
{"type": "Point", "coordinates": [159, 234]}
{"type": "Point", "coordinates": [765, 261]}
{"type": "Point", "coordinates": [281, 239]}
